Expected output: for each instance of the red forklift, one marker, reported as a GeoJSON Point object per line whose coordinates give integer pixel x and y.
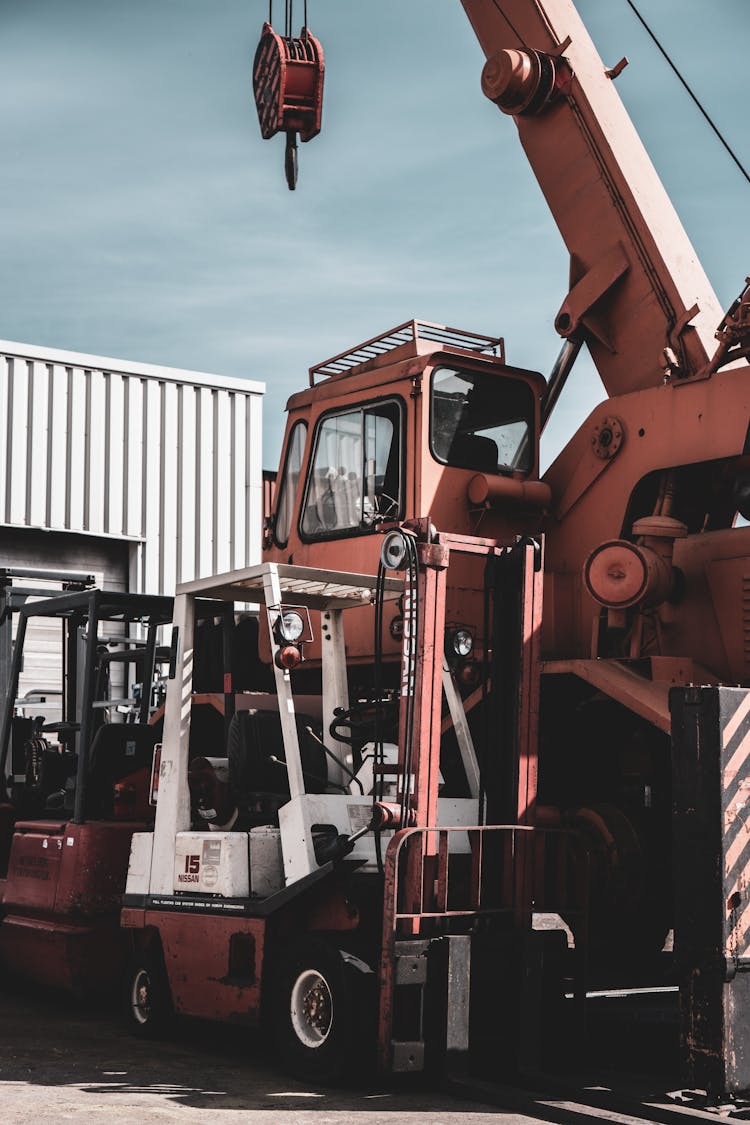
{"type": "Point", "coordinates": [359, 893]}
{"type": "Point", "coordinates": [76, 785]}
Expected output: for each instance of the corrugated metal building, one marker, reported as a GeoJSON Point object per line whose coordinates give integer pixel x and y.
{"type": "Point", "coordinates": [144, 476]}
{"type": "Point", "coordinates": [155, 469]}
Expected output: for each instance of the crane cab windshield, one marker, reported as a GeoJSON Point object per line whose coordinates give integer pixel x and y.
{"type": "Point", "coordinates": [478, 421]}
{"type": "Point", "coordinates": [355, 479]}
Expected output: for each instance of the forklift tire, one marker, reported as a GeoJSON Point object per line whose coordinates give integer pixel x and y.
{"type": "Point", "coordinates": [323, 1012]}
{"type": "Point", "coordinates": [147, 1003]}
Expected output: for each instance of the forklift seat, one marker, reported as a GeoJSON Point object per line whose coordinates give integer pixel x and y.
{"type": "Point", "coordinates": [48, 770]}
{"type": "Point", "coordinates": [258, 778]}
{"type": "Point", "coordinates": [118, 750]}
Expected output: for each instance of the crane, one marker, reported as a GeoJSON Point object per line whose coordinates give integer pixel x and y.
{"type": "Point", "coordinates": [642, 514]}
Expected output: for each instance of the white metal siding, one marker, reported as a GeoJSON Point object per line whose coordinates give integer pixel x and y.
{"type": "Point", "coordinates": [105, 559]}
{"type": "Point", "coordinates": [169, 460]}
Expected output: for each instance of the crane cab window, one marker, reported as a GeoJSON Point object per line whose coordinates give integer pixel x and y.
{"type": "Point", "coordinates": [354, 482]}
{"type": "Point", "coordinates": [288, 484]}
{"type": "Point", "coordinates": [481, 421]}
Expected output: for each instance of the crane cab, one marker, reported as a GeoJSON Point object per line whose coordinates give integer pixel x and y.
{"type": "Point", "coordinates": [422, 421]}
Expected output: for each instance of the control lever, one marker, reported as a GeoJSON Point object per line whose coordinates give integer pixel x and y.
{"type": "Point", "coordinates": [306, 773]}
{"type": "Point", "coordinates": [333, 758]}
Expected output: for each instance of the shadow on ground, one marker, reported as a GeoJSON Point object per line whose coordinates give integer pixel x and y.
{"type": "Point", "coordinates": [50, 1041]}
{"type": "Point", "coordinates": [60, 1060]}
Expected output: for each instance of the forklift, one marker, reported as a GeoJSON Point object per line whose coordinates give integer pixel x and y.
{"type": "Point", "coordinates": [346, 875]}
{"type": "Point", "coordinates": [76, 785]}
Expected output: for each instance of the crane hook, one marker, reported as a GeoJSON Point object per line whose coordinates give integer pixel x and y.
{"type": "Point", "coordinates": [288, 88]}
{"type": "Point", "coordinates": [290, 159]}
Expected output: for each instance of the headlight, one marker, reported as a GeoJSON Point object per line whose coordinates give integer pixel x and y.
{"type": "Point", "coordinates": [291, 626]}
{"type": "Point", "coordinates": [462, 642]}
{"type": "Point", "coordinates": [396, 628]}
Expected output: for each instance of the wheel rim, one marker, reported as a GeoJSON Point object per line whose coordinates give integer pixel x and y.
{"type": "Point", "coordinates": [311, 1008]}
{"type": "Point", "coordinates": [141, 997]}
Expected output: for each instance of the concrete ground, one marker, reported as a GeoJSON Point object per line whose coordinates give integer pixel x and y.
{"type": "Point", "coordinates": [60, 1062]}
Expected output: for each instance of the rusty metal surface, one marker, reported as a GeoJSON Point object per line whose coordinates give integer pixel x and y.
{"type": "Point", "coordinates": [198, 960]}
{"type": "Point", "coordinates": [61, 904]}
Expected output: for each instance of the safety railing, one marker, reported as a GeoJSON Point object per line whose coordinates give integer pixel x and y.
{"type": "Point", "coordinates": [433, 873]}
{"type": "Point", "coordinates": [412, 331]}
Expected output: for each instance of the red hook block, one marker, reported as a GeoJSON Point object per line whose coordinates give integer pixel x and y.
{"type": "Point", "coordinates": [288, 89]}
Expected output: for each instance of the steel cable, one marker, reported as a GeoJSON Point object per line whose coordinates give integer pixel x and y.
{"type": "Point", "coordinates": [694, 97]}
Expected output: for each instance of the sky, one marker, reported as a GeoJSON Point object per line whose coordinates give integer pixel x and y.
{"type": "Point", "coordinates": [142, 216]}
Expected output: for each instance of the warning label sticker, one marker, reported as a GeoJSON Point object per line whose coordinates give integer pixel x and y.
{"type": "Point", "coordinates": [359, 816]}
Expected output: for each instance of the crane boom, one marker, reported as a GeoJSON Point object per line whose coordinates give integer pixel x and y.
{"type": "Point", "coordinates": [638, 294]}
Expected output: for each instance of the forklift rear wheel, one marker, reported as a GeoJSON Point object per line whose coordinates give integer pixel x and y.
{"type": "Point", "coordinates": [147, 1005]}
{"type": "Point", "coordinates": [317, 1012]}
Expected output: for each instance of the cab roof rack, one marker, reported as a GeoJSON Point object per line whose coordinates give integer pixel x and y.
{"type": "Point", "coordinates": [411, 331]}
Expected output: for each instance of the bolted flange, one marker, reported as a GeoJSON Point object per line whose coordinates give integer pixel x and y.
{"type": "Point", "coordinates": [607, 437]}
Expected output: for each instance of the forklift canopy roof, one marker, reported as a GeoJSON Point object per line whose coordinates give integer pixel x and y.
{"type": "Point", "coordinates": [316, 589]}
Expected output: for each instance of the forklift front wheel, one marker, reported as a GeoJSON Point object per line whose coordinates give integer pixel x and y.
{"type": "Point", "coordinates": [146, 995]}
{"type": "Point", "coordinates": [317, 1012]}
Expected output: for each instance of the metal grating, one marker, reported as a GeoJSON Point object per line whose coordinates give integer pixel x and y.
{"type": "Point", "coordinates": [412, 331]}
{"type": "Point", "coordinates": [316, 589]}
{"type": "Point", "coordinates": [312, 589]}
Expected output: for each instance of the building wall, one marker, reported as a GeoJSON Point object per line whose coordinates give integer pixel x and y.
{"type": "Point", "coordinates": [167, 461]}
